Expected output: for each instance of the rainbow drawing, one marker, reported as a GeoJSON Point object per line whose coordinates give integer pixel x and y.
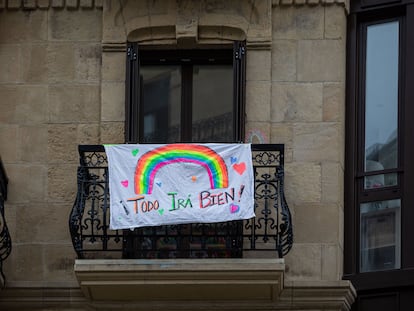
{"type": "Point", "coordinates": [152, 161]}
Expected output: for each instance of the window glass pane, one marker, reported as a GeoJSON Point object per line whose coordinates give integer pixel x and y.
{"type": "Point", "coordinates": [380, 180]}
{"type": "Point", "coordinates": [380, 235]}
{"type": "Point", "coordinates": [212, 117]}
{"type": "Point", "coordinates": [381, 96]}
{"type": "Point", "coordinates": [160, 103]}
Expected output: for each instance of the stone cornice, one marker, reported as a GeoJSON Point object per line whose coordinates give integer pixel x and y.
{"type": "Point", "coordinates": [344, 3]}
{"type": "Point", "coordinates": [50, 4]}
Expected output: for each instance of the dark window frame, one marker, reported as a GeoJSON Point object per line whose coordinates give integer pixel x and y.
{"type": "Point", "coordinates": [362, 14]}
{"type": "Point", "coordinates": [235, 55]}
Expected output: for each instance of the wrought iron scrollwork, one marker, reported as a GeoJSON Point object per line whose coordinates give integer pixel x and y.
{"type": "Point", "coordinates": [270, 230]}
{"type": "Point", "coordinates": [5, 239]}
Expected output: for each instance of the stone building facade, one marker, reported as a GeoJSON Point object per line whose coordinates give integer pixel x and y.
{"type": "Point", "coordinates": [62, 84]}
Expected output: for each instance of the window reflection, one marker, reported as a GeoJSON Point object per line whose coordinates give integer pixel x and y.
{"type": "Point", "coordinates": [380, 235]}
{"type": "Point", "coordinates": [381, 99]}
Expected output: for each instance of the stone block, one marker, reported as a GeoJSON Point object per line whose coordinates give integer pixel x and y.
{"type": "Point", "coordinates": [284, 60]}
{"type": "Point", "coordinates": [75, 25]}
{"type": "Point", "coordinates": [74, 103]}
{"type": "Point", "coordinates": [43, 223]}
{"type": "Point", "coordinates": [316, 142]}
{"type": "Point", "coordinates": [62, 143]}
{"type": "Point", "coordinates": [9, 62]}
{"type": "Point", "coordinates": [316, 223]}
{"type": "Point", "coordinates": [22, 104]}
{"type": "Point", "coordinates": [34, 63]}
{"type": "Point", "coordinates": [258, 100]}
{"type": "Point", "coordinates": [332, 182]}
{"type": "Point", "coordinates": [290, 22]}
{"type": "Point", "coordinates": [43, 4]}
{"type": "Point", "coordinates": [23, 26]}
{"type": "Point", "coordinates": [88, 62]}
{"type": "Point", "coordinates": [297, 102]}
{"type": "Point", "coordinates": [59, 261]}
{"type": "Point", "coordinates": [14, 4]}
{"type": "Point", "coordinates": [58, 3]}
{"type": "Point", "coordinates": [335, 22]}
{"type": "Point", "coordinates": [331, 262]}
{"type": "Point", "coordinates": [72, 4]}
{"type": "Point", "coordinates": [112, 133]}
{"type": "Point", "coordinates": [88, 134]}
{"type": "Point", "coordinates": [258, 65]}
{"type": "Point", "coordinates": [27, 183]}
{"type": "Point", "coordinates": [316, 54]}
{"type": "Point", "coordinates": [113, 66]}
{"type": "Point", "coordinates": [113, 29]}
{"type": "Point", "coordinates": [25, 263]}
{"type": "Point", "coordinates": [86, 4]}
{"type": "Point", "coordinates": [32, 144]}
{"type": "Point", "coordinates": [302, 182]}
{"type": "Point", "coordinates": [62, 183]}
{"type": "Point", "coordinates": [29, 4]}
{"type": "Point", "coordinates": [303, 262]}
{"type": "Point", "coordinates": [113, 101]}
{"type": "Point", "coordinates": [8, 143]}
{"type": "Point", "coordinates": [61, 61]}
{"type": "Point", "coordinates": [333, 102]}
{"type": "Point", "coordinates": [282, 133]}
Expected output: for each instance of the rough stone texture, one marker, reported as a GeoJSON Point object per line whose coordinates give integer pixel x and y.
{"type": "Point", "coordinates": [257, 65]}
{"type": "Point", "coordinates": [333, 101]}
{"type": "Point", "coordinates": [302, 182]}
{"type": "Point", "coordinates": [8, 137]}
{"type": "Point", "coordinates": [61, 180]}
{"type": "Point", "coordinates": [316, 54]}
{"type": "Point", "coordinates": [33, 144]}
{"type": "Point", "coordinates": [40, 220]}
{"type": "Point", "coordinates": [34, 63]}
{"type": "Point", "coordinates": [113, 101]}
{"type": "Point", "coordinates": [112, 133]}
{"type": "Point", "coordinates": [299, 269]}
{"type": "Point", "coordinates": [258, 132]}
{"type": "Point", "coordinates": [74, 103]}
{"type": "Point", "coordinates": [316, 142]}
{"type": "Point", "coordinates": [298, 22]}
{"type": "Point", "coordinates": [296, 102]}
{"type": "Point", "coordinates": [332, 182]}
{"type": "Point", "coordinates": [318, 223]}
{"type": "Point", "coordinates": [111, 69]}
{"type": "Point", "coordinates": [27, 183]}
{"type": "Point", "coordinates": [61, 258]}
{"type": "Point", "coordinates": [284, 60]}
{"type": "Point", "coordinates": [258, 99]}
{"type": "Point", "coordinates": [25, 104]}
{"type": "Point", "coordinates": [83, 25]}
{"type": "Point", "coordinates": [23, 26]}
{"type": "Point", "coordinates": [282, 133]}
{"type": "Point", "coordinates": [331, 262]}
{"type": "Point", "coordinates": [9, 63]}
{"type": "Point", "coordinates": [335, 19]}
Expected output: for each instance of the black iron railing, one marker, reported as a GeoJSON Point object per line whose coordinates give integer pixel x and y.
{"type": "Point", "coordinates": [270, 230]}
{"type": "Point", "coordinates": [5, 239]}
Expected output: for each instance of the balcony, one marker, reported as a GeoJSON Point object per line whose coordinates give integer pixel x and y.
{"type": "Point", "coordinates": [238, 260]}
{"type": "Point", "coordinates": [5, 239]}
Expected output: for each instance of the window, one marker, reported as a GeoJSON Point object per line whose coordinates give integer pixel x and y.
{"type": "Point", "coordinates": [185, 95]}
{"type": "Point", "coordinates": [379, 200]}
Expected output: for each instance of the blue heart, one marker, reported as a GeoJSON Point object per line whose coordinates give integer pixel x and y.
{"type": "Point", "coordinates": [233, 160]}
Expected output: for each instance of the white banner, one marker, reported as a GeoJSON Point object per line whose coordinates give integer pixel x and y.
{"type": "Point", "coordinates": [153, 185]}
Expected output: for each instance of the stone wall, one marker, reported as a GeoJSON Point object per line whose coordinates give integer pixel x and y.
{"type": "Point", "coordinates": [50, 90]}
{"type": "Point", "coordinates": [62, 84]}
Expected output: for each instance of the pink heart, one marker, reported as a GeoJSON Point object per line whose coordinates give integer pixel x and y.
{"type": "Point", "coordinates": [240, 167]}
{"type": "Point", "coordinates": [124, 183]}
{"type": "Point", "coordinates": [234, 208]}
